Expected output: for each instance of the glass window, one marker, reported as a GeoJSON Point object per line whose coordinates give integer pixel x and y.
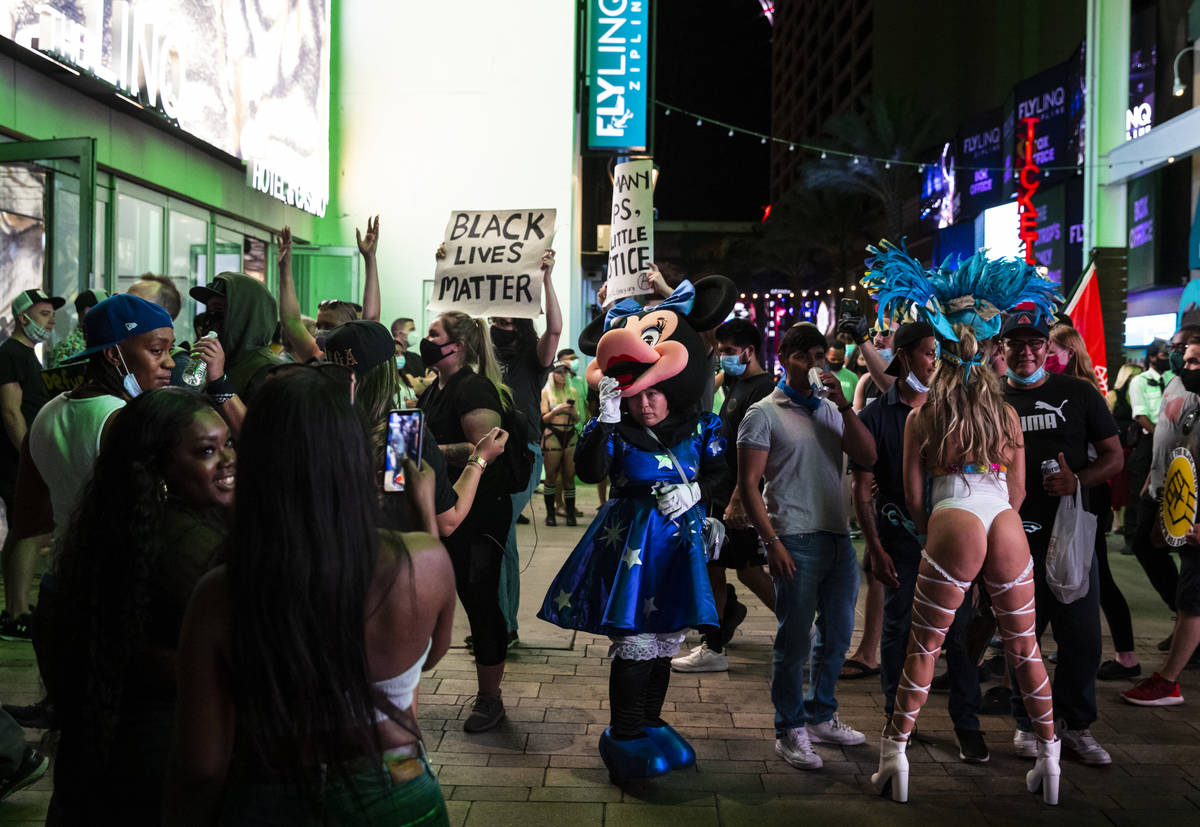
{"type": "Point", "coordinates": [229, 251]}
{"type": "Point", "coordinates": [188, 242]}
{"type": "Point", "coordinates": [139, 239]}
{"type": "Point", "coordinates": [100, 260]}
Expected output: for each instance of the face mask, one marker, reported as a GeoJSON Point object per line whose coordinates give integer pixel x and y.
{"type": "Point", "coordinates": [885, 354]}
{"type": "Point", "coordinates": [502, 338]}
{"type": "Point", "coordinates": [412, 338]}
{"type": "Point", "coordinates": [129, 381]}
{"type": "Point", "coordinates": [1176, 362]}
{"type": "Point", "coordinates": [834, 367]}
{"type": "Point", "coordinates": [915, 383]}
{"type": "Point", "coordinates": [573, 366]}
{"type": "Point", "coordinates": [400, 362]}
{"type": "Point", "coordinates": [733, 365]}
{"type": "Point", "coordinates": [1161, 365]}
{"type": "Point", "coordinates": [432, 352]}
{"type": "Point", "coordinates": [1037, 376]}
{"type": "Point", "coordinates": [1190, 380]}
{"type": "Point", "coordinates": [321, 337]}
{"type": "Point", "coordinates": [35, 332]}
{"type": "Point", "coordinates": [1054, 364]}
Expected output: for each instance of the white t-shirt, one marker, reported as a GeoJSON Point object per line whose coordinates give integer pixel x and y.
{"type": "Point", "coordinates": [803, 474]}
{"type": "Point", "coordinates": [64, 442]}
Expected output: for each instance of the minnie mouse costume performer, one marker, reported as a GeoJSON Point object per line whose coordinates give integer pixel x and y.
{"type": "Point", "coordinates": [639, 573]}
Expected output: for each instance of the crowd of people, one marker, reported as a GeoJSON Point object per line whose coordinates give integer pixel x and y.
{"type": "Point", "coordinates": [236, 614]}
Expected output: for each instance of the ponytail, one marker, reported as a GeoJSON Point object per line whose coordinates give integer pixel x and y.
{"type": "Point", "coordinates": [477, 350]}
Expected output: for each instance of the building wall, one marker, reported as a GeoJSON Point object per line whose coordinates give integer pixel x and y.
{"type": "Point", "coordinates": [443, 106]}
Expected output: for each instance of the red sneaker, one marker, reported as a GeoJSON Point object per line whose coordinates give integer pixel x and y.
{"type": "Point", "coordinates": [1154, 691]}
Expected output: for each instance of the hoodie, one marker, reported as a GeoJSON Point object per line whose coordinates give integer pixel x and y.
{"type": "Point", "coordinates": [250, 317]}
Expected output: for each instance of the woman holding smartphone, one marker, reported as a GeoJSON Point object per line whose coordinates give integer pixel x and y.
{"type": "Point", "coordinates": [560, 419]}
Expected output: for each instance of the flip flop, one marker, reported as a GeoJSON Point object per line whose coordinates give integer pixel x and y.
{"type": "Point", "coordinates": [855, 669]}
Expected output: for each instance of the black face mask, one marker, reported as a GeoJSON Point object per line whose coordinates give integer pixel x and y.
{"type": "Point", "coordinates": [1190, 380]}
{"type": "Point", "coordinates": [1162, 364]}
{"type": "Point", "coordinates": [834, 367]}
{"type": "Point", "coordinates": [432, 352]}
{"type": "Point", "coordinates": [1176, 362]}
{"type": "Point", "coordinates": [502, 338]}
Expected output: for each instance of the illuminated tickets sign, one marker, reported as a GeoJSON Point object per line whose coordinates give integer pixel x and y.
{"type": "Point", "coordinates": [252, 82]}
{"type": "Point", "coordinates": [618, 33]}
{"type": "Point", "coordinates": [1029, 180]}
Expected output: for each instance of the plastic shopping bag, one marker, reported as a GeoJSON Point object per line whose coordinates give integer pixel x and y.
{"type": "Point", "coordinates": [1072, 547]}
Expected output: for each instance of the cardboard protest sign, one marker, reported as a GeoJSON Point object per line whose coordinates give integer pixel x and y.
{"type": "Point", "coordinates": [64, 377]}
{"type": "Point", "coordinates": [631, 245]}
{"type": "Point", "coordinates": [493, 263]}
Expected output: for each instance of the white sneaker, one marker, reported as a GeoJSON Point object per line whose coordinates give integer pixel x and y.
{"type": "Point", "coordinates": [1085, 747]}
{"type": "Point", "coordinates": [834, 731]}
{"type": "Point", "coordinates": [795, 748]}
{"type": "Point", "coordinates": [1025, 744]}
{"type": "Point", "coordinates": [701, 659]}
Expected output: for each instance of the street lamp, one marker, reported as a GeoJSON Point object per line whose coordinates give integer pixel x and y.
{"type": "Point", "coordinates": [1178, 89]}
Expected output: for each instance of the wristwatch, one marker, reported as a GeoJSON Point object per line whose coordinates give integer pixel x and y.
{"type": "Point", "coordinates": [765, 542]}
{"type": "Point", "coordinates": [478, 460]}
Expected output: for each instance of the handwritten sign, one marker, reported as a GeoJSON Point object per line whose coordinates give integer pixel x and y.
{"type": "Point", "coordinates": [64, 378]}
{"type": "Point", "coordinates": [492, 265]}
{"type": "Point", "coordinates": [631, 246]}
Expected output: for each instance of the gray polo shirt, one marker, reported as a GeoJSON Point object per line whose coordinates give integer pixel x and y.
{"type": "Point", "coordinates": [803, 474]}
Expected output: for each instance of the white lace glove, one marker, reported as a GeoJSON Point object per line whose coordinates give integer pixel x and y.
{"type": "Point", "coordinates": [610, 400]}
{"type": "Point", "coordinates": [674, 500]}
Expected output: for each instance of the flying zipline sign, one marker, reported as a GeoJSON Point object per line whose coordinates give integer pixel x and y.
{"type": "Point", "coordinates": [492, 265]}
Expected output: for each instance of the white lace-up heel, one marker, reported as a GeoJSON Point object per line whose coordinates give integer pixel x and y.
{"type": "Point", "coordinates": [893, 770]}
{"type": "Point", "coordinates": [1045, 772]}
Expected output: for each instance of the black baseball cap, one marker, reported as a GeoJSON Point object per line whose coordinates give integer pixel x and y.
{"type": "Point", "coordinates": [907, 336]}
{"type": "Point", "coordinates": [360, 346]}
{"type": "Point", "coordinates": [206, 293]}
{"type": "Point", "coordinates": [1025, 320]}
{"type": "Point", "coordinates": [89, 299]}
{"type": "Point", "coordinates": [28, 298]}
{"type": "Point", "coordinates": [1156, 347]}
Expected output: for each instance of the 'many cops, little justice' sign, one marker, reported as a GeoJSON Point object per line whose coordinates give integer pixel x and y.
{"type": "Point", "coordinates": [618, 73]}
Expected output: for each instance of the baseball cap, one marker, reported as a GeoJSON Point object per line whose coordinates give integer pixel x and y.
{"type": "Point", "coordinates": [28, 298]}
{"type": "Point", "coordinates": [906, 336]}
{"type": "Point", "coordinates": [1156, 347]}
{"type": "Point", "coordinates": [360, 346]}
{"type": "Point", "coordinates": [88, 299]}
{"type": "Point", "coordinates": [118, 318]}
{"type": "Point", "coordinates": [561, 366]}
{"type": "Point", "coordinates": [206, 293]}
{"type": "Point", "coordinates": [1025, 320]}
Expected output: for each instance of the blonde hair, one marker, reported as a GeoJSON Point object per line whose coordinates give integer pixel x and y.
{"type": "Point", "coordinates": [965, 418]}
{"type": "Point", "coordinates": [569, 391]}
{"type": "Point", "coordinates": [1127, 372]}
{"type": "Point", "coordinates": [478, 353]}
{"type": "Point", "coordinates": [1068, 337]}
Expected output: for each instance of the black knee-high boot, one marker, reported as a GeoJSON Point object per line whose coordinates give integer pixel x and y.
{"type": "Point", "coordinates": [569, 501]}
{"type": "Point", "coordinates": [551, 518]}
{"type": "Point", "coordinates": [627, 685]}
{"type": "Point", "coordinates": [656, 692]}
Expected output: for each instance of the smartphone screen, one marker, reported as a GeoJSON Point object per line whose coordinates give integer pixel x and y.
{"type": "Point", "coordinates": [405, 429]}
{"type": "Point", "coordinates": [847, 308]}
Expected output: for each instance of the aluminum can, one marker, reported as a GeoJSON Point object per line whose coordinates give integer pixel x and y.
{"type": "Point", "coordinates": [1050, 466]}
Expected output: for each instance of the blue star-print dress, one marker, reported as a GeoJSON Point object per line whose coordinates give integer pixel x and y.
{"type": "Point", "coordinates": [635, 571]}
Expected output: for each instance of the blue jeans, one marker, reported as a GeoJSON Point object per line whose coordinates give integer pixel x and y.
{"type": "Point", "coordinates": [825, 585]}
{"type": "Point", "coordinates": [897, 623]}
{"type": "Point", "coordinates": [510, 566]}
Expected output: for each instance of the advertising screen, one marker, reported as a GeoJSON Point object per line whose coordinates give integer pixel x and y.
{"type": "Point", "coordinates": [1139, 117]}
{"type": "Point", "coordinates": [939, 191]}
{"type": "Point", "coordinates": [618, 74]}
{"type": "Point", "coordinates": [1045, 96]}
{"type": "Point", "coordinates": [251, 79]}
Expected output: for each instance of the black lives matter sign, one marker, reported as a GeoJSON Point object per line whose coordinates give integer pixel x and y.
{"type": "Point", "coordinates": [492, 265]}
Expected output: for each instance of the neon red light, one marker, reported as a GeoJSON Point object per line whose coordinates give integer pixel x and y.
{"type": "Point", "coordinates": [766, 213]}
{"type": "Point", "coordinates": [1029, 181]}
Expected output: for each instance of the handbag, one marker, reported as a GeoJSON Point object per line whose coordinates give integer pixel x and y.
{"type": "Point", "coordinates": [714, 529]}
{"type": "Point", "coordinates": [1071, 549]}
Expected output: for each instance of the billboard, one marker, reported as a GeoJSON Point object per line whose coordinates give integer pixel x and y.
{"type": "Point", "coordinates": [939, 191]}
{"type": "Point", "coordinates": [1139, 117]}
{"type": "Point", "coordinates": [981, 163]}
{"type": "Point", "coordinates": [250, 80]}
{"type": "Point", "coordinates": [1046, 97]}
{"type": "Point", "coordinates": [618, 74]}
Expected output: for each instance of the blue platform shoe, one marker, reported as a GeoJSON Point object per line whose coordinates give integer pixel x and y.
{"type": "Point", "coordinates": [675, 749]}
{"type": "Point", "coordinates": [638, 758]}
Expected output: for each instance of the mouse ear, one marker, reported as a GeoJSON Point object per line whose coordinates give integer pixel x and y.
{"type": "Point", "coordinates": [715, 297]}
{"type": "Point", "coordinates": [590, 335]}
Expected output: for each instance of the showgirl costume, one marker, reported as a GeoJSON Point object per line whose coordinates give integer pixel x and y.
{"type": "Point", "coordinates": [639, 573]}
{"type": "Point", "coordinates": [974, 294]}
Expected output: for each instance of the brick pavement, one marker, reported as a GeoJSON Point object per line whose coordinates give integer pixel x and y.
{"type": "Point", "coordinates": [541, 765]}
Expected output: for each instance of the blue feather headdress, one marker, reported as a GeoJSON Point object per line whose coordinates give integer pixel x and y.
{"type": "Point", "coordinates": [975, 291]}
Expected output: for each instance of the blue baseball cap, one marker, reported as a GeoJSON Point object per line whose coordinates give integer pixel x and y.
{"type": "Point", "coordinates": [118, 318]}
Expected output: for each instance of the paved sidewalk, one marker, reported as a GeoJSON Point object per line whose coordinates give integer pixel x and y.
{"type": "Point", "coordinates": [541, 766]}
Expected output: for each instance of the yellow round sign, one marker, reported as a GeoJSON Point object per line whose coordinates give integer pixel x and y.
{"type": "Point", "coordinates": [1178, 512]}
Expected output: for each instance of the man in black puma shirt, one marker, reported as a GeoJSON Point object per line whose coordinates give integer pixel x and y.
{"type": "Point", "coordinates": [1061, 417]}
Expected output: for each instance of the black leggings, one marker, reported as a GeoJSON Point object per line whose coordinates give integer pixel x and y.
{"type": "Point", "coordinates": [476, 559]}
{"type": "Point", "coordinates": [1112, 602]}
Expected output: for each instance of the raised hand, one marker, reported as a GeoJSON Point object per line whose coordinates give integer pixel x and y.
{"type": "Point", "coordinates": [367, 244]}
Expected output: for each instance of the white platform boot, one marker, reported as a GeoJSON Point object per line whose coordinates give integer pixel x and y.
{"type": "Point", "coordinates": [893, 770]}
{"type": "Point", "coordinates": [1045, 772]}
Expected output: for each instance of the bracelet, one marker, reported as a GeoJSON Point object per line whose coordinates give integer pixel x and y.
{"type": "Point", "coordinates": [478, 460]}
{"type": "Point", "coordinates": [220, 390]}
{"type": "Point", "coordinates": [845, 407]}
{"type": "Point", "coordinates": [766, 541]}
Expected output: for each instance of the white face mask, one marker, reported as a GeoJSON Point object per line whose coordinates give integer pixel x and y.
{"type": "Point", "coordinates": [36, 333]}
{"type": "Point", "coordinates": [915, 383]}
{"type": "Point", "coordinates": [129, 381]}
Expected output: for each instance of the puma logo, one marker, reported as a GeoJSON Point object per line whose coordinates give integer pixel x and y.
{"type": "Point", "coordinates": [1046, 406]}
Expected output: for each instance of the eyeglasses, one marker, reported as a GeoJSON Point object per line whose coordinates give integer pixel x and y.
{"type": "Point", "coordinates": [1018, 345]}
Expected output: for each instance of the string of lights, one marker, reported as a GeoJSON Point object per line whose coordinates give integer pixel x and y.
{"type": "Point", "coordinates": [791, 294]}
{"type": "Point", "coordinates": [855, 158]}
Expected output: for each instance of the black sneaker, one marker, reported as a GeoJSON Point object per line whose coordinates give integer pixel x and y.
{"type": "Point", "coordinates": [487, 713]}
{"type": "Point", "coordinates": [35, 716]}
{"type": "Point", "coordinates": [33, 766]}
{"type": "Point", "coordinates": [19, 628]}
{"type": "Point", "coordinates": [971, 746]}
{"type": "Point", "coordinates": [1164, 645]}
{"type": "Point", "coordinates": [1110, 670]}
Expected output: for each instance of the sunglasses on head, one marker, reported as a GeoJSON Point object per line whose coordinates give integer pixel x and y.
{"type": "Point", "coordinates": [338, 304]}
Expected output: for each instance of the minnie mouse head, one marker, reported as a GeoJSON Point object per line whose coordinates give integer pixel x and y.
{"type": "Point", "coordinates": [659, 346]}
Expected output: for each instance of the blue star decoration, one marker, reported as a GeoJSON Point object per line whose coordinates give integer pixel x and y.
{"type": "Point", "coordinates": [632, 557]}
{"type": "Point", "coordinates": [716, 446]}
{"type": "Point", "coordinates": [648, 607]}
{"type": "Point", "coordinates": [614, 533]}
{"type": "Point", "coordinates": [563, 601]}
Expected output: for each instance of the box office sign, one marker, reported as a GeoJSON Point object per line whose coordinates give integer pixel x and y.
{"type": "Point", "coordinates": [618, 74]}
{"type": "Point", "coordinates": [251, 82]}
